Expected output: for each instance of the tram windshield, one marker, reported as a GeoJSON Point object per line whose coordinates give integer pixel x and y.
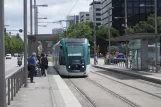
{"type": "Point", "coordinates": [75, 53]}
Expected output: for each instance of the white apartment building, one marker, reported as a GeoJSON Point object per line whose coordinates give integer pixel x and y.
{"type": "Point", "coordinates": [98, 8]}
{"type": "Point", "coordinates": [72, 19]}
{"type": "Point", "coordinates": [106, 12]}
{"type": "Point", "coordinates": [84, 16]}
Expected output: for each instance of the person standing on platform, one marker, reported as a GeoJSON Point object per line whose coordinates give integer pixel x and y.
{"type": "Point", "coordinates": [32, 65]}
{"type": "Point", "coordinates": [43, 64]}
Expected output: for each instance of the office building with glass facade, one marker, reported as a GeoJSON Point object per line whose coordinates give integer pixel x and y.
{"type": "Point", "coordinates": [134, 11]}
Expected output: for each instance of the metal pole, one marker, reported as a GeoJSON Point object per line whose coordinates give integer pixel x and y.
{"type": "Point", "coordinates": [36, 20]}
{"type": "Point", "coordinates": [126, 33]}
{"type": "Point", "coordinates": [35, 16]}
{"type": "Point", "coordinates": [156, 40]}
{"type": "Point", "coordinates": [31, 17]}
{"type": "Point", "coordinates": [25, 42]}
{"type": "Point", "coordinates": [109, 35]}
{"type": "Point", "coordinates": [2, 58]}
{"type": "Point", "coordinates": [94, 32]}
{"type": "Point", "coordinates": [74, 27]}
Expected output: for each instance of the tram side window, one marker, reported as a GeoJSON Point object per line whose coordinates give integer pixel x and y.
{"type": "Point", "coordinates": [61, 57]}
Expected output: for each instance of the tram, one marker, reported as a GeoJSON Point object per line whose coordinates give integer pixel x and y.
{"type": "Point", "coordinates": [71, 57]}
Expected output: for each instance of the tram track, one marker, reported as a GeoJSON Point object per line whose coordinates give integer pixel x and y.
{"type": "Point", "coordinates": [91, 103]}
{"type": "Point", "coordinates": [132, 104]}
{"type": "Point", "coordinates": [113, 93]}
{"type": "Point", "coordinates": [102, 75]}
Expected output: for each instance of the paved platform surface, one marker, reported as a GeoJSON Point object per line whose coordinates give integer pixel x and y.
{"type": "Point", "coordinates": [35, 95]}
{"type": "Point", "coordinates": [152, 77]}
{"type": "Point", "coordinates": [50, 91]}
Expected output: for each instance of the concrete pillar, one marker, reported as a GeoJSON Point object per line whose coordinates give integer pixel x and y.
{"type": "Point", "coordinates": [29, 47]}
{"type": "Point", "coordinates": [144, 54]}
{"type": "Point", "coordinates": [32, 46]}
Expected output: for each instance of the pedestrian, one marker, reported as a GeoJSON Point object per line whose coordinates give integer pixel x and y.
{"type": "Point", "coordinates": [32, 65]}
{"type": "Point", "coordinates": [43, 64]}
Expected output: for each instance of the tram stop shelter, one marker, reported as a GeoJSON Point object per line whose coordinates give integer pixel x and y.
{"type": "Point", "coordinates": [33, 41]}
{"type": "Point", "coordinates": [138, 53]}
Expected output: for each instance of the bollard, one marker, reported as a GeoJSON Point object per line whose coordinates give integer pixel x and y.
{"type": "Point", "coordinates": [12, 87]}
{"type": "Point", "coordinates": [14, 84]}
{"type": "Point", "coordinates": [9, 93]}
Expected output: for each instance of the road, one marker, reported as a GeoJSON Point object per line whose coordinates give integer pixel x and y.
{"type": "Point", "coordinates": [108, 89]}
{"type": "Point", "coordinates": [11, 65]}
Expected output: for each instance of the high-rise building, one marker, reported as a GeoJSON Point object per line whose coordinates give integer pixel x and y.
{"type": "Point", "coordinates": [72, 20]}
{"type": "Point", "coordinates": [97, 10]}
{"type": "Point", "coordinates": [83, 16]}
{"type": "Point", "coordinates": [135, 13]}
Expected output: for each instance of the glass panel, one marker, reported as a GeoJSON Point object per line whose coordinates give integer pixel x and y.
{"type": "Point", "coordinates": [75, 53]}
{"type": "Point", "coordinates": [61, 57]}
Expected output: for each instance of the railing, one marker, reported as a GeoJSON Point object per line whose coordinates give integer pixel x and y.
{"type": "Point", "coordinates": [117, 62]}
{"type": "Point", "coordinates": [14, 81]}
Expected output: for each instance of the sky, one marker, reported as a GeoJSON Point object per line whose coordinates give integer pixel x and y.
{"type": "Point", "coordinates": [56, 10]}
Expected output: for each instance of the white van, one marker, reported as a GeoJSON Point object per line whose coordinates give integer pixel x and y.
{"type": "Point", "coordinates": [8, 56]}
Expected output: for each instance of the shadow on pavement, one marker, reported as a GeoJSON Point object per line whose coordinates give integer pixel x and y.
{"type": "Point", "coordinates": [73, 77]}
{"type": "Point", "coordinates": [51, 71]}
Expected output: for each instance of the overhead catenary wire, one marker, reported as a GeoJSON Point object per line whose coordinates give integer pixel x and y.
{"type": "Point", "coordinates": [73, 7]}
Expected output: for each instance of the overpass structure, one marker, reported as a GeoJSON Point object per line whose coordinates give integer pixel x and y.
{"type": "Point", "coordinates": [33, 41]}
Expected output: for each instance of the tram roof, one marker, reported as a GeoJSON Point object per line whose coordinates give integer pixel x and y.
{"type": "Point", "coordinates": [134, 36]}
{"type": "Point", "coordinates": [75, 39]}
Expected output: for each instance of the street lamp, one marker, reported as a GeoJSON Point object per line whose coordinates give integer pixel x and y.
{"type": "Point", "coordinates": [125, 30]}
{"type": "Point", "coordinates": [36, 18]}
{"type": "Point", "coordinates": [66, 24]}
{"type": "Point", "coordinates": [6, 25]}
{"type": "Point", "coordinates": [2, 58]}
{"type": "Point", "coordinates": [42, 25]}
{"type": "Point", "coordinates": [94, 33]}
{"type": "Point", "coordinates": [109, 33]}
{"type": "Point", "coordinates": [43, 18]}
{"type": "Point", "coordinates": [25, 41]}
{"type": "Point", "coordinates": [44, 5]}
{"type": "Point", "coordinates": [119, 17]}
{"type": "Point", "coordinates": [36, 14]}
{"type": "Point", "coordinates": [156, 31]}
{"type": "Point", "coordinates": [50, 22]}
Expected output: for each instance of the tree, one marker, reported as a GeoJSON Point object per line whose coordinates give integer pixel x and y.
{"type": "Point", "coordinates": [82, 31]}
{"type": "Point", "coordinates": [147, 26]}
{"type": "Point", "coordinates": [103, 31]}
{"type": "Point", "coordinates": [13, 44]}
{"type": "Point", "coordinates": [85, 30]}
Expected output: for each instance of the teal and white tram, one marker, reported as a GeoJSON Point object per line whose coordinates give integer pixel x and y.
{"type": "Point", "coordinates": [71, 57]}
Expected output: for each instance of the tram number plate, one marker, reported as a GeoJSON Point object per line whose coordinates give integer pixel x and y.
{"type": "Point", "coordinates": [76, 70]}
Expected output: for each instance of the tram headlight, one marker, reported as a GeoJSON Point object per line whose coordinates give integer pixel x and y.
{"type": "Point", "coordinates": [82, 66]}
{"type": "Point", "coordinates": [68, 66]}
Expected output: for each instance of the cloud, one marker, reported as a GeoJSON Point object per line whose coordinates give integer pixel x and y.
{"type": "Point", "coordinates": [56, 10]}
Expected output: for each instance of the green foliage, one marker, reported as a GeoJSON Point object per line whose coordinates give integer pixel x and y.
{"type": "Point", "coordinates": [83, 30]}
{"type": "Point", "coordinates": [114, 49]}
{"type": "Point", "coordinates": [123, 49]}
{"type": "Point", "coordinates": [103, 31]}
{"type": "Point", "coordinates": [13, 44]}
{"type": "Point", "coordinates": [147, 26]}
